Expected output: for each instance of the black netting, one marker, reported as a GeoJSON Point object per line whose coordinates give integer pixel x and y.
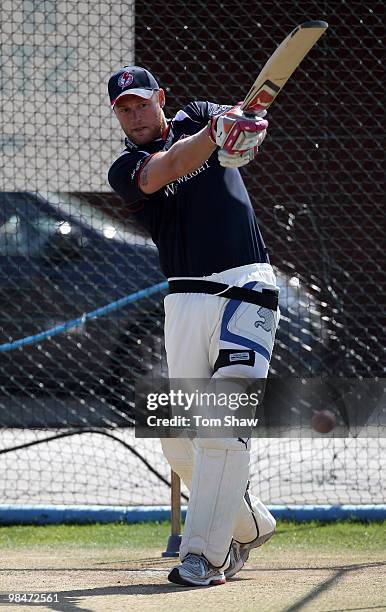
{"type": "Point", "coordinates": [69, 247]}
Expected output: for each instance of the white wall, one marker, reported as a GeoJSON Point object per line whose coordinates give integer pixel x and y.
{"type": "Point", "coordinates": [57, 131]}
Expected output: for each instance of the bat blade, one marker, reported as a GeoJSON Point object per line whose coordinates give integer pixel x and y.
{"type": "Point", "coordinates": [282, 63]}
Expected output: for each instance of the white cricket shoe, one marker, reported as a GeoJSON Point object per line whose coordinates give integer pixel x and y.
{"type": "Point", "coordinates": [196, 570]}
{"type": "Point", "coordinates": [239, 553]}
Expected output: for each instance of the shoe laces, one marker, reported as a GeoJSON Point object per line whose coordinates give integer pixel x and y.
{"type": "Point", "coordinates": [195, 560]}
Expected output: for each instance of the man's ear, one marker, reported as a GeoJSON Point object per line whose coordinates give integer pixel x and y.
{"type": "Point", "coordinates": [161, 98]}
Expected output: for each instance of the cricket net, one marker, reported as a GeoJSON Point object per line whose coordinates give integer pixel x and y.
{"type": "Point", "coordinates": [69, 248]}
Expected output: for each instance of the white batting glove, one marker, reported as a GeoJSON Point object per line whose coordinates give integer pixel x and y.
{"type": "Point", "coordinates": [236, 131]}
{"type": "Point", "coordinates": [236, 159]}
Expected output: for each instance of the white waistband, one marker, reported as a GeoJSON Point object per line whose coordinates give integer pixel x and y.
{"type": "Point", "coordinates": [235, 274]}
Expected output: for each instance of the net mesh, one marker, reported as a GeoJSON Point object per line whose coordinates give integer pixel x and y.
{"type": "Point", "coordinates": [69, 247]}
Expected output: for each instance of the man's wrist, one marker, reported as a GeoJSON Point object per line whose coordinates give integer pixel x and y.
{"type": "Point", "coordinates": [210, 131]}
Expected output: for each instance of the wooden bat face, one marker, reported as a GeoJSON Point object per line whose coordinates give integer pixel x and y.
{"type": "Point", "coordinates": [282, 63]}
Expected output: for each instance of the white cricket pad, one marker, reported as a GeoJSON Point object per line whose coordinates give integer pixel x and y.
{"type": "Point", "coordinates": [220, 478]}
{"type": "Point", "coordinates": [254, 520]}
{"type": "Point", "coordinates": [180, 454]}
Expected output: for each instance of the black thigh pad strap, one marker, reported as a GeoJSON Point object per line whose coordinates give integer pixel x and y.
{"type": "Point", "coordinates": [229, 357]}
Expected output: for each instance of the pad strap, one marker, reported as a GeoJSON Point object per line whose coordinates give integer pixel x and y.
{"type": "Point", "coordinates": [267, 298]}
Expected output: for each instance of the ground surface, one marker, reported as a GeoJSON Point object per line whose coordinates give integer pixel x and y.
{"type": "Point", "coordinates": [113, 568]}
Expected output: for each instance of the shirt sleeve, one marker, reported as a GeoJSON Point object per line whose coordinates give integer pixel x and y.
{"type": "Point", "coordinates": [202, 111]}
{"type": "Point", "coordinates": [124, 175]}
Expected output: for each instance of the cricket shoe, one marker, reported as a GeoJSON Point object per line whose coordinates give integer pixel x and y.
{"type": "Point", "coordinates": [239, 553]}
{"type": "Point", "coordinates": [197, 571]}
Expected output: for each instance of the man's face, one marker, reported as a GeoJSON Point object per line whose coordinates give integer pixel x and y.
{"type": "Point", "coordinates": [141, 119]}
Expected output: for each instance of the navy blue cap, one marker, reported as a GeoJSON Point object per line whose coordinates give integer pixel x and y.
{"type": "Point", "coordinates": [131, 80]}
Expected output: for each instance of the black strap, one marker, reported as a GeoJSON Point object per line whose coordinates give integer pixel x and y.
{"type": "Point", "coordinates": [229, 357]}
{"type": "Point", "coordinates": [266, 298]}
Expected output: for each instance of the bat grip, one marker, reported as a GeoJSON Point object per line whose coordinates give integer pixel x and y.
{"type": "Point", "coordinates": [260, 113]}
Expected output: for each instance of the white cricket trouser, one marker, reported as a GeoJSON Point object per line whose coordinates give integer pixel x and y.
{"type": "Point", "coordinates": [197, 327]}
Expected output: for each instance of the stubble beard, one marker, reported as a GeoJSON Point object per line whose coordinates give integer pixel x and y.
{"type": "Point", "coordinates": [156, 131]}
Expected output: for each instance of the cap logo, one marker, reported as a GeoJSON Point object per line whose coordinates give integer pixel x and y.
{"type": "Point", "coordinates": [125, 79]}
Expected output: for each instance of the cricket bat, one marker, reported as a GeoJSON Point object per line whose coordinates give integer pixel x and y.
{"type": "Point", "coordinates": [282, 63]}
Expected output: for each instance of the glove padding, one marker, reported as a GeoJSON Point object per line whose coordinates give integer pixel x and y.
{"type": "Point", "coordinates": [236, 159]}
{"type": "Point", "coordinates": [236, 131]}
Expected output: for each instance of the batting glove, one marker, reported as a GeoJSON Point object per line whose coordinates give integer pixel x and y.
{"type": "Point", "coordinates": [236, 131]}
{"type": "Point", "coordinates": [236, 159]}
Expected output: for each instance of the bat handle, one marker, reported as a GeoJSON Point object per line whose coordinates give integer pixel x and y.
{"type": "Point", "coordinates": [260, 113]}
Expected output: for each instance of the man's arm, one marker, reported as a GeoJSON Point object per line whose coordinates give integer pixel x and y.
{"type": "Point", "coordinates": [183, 157]}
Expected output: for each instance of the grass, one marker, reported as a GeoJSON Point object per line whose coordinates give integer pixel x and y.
{"type": "Point", "coordinates": [337, 536]}
{"type": "Point", "coordinates": [307, 536]}
{"type": "Point", "coordinates": [109, 535]}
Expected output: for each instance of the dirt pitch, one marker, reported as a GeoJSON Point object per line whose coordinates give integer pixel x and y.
{"type": "Point", "coordinates": [272, 581]}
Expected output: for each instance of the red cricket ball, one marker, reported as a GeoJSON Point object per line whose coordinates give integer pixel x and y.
{"type": "Point", "coordinates": [323, 421]}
